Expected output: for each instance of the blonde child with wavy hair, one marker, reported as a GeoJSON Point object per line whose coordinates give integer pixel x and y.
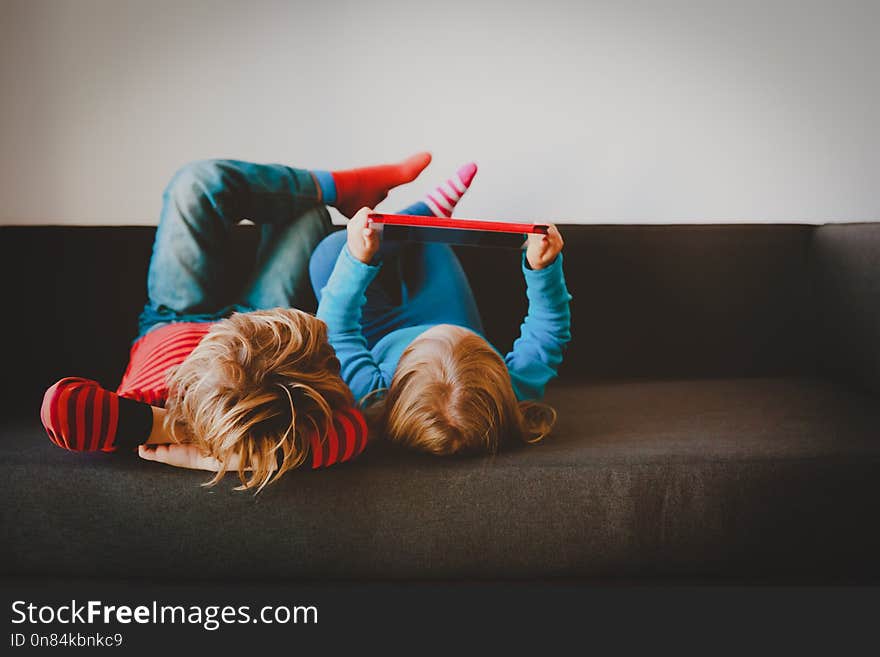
{"type": "Point", "coordinates": [256, 396]}
{"type": "Point", "coordinates": [225, 380]}
{"type": "Point", "coordinates": [405, 327]}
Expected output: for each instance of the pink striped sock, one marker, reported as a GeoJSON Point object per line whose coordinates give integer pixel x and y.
{"type": "Point", "coordinates": [441, 201]}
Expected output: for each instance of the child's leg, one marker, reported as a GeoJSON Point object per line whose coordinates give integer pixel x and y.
{"type": "Point", "coordinates": [433, 286]}
{"type": "Point", "coordinates": [437, 289]}
{"type": "Point", "coordinates": [353, 189]}
{"type": "Point", "coordinates": [324, 259]}
{"type": "Point", "coordinates": [325, 255]}
{"type": "Point", "coordinates": [206, 198]}
{"type": "Point", "coordinates": [281, 272]}
{"type": "Point", "coordinates": [200, 205]}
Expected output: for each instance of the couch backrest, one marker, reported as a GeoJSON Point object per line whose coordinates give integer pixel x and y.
{"type": "Point", "coordinates": [670, 301]}
{"type": "Point", "coordinates": [846, 270]}
{"type": "Point", "coordinates": [649, 301]}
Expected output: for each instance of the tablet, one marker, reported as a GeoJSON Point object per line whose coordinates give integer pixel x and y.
{"type": "Point", "coordinates": [452, 230]}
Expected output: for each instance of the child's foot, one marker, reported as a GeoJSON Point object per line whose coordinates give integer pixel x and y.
{"type": "Point", "coordinates": [441, 201]}
{"type": "Point", "coordinates": [349, 191]}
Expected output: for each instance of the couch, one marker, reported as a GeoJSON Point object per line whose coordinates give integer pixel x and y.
{"type": "Point", "coordinates": [718, 419]}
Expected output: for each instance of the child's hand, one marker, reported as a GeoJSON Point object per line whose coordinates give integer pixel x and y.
{"type": "Point", "coordinates": [543, 249]}
{"type": "Point", "coordinates": [183, 456]}
{"type": "Point", "coordinates": [363, 237]}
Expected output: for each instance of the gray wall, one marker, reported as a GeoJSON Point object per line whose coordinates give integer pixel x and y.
{"type": "Point", "coordinates": [591, 110]}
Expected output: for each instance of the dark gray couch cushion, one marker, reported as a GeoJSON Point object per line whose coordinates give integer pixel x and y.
{"type": "Point", "coordinates": [709, 477]}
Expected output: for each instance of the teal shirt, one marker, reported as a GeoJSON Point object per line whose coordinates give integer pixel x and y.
{"type": "Point", "coordinates": [532, 362]}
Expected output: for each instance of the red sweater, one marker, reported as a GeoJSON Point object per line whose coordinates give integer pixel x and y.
{"type": "Point", "coordinates": [80, 415]}
{"type": "Point", "coordinates": [153, 355]}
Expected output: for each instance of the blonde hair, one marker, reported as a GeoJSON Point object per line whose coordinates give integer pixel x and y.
{"type": "Point", "coordinates": [451, 393]}
{"type": "Point", "coordinates": [252, 388]}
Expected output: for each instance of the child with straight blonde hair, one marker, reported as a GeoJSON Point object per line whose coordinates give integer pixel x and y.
{"type": "Point", "coordinates": [405, 327]}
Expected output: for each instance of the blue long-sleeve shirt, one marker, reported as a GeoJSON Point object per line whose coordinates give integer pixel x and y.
{"type": "Point", "coordinates": [532, 362]}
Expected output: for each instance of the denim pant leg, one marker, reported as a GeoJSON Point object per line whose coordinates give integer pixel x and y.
{"type": "Point", "coordinates": [281, 272]}
{"type": "Point", "coordinates": [324, 259]}
{"type": "Point", "coordinates": [200, 205]}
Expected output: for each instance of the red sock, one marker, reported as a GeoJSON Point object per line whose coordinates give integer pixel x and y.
{"type": "Point", "coordinates": [80, 415]}
{"type": "Point", "coordinates": [366, 187]}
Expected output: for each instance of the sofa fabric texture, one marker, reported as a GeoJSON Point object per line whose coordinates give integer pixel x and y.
{"type": "Point", "coordinates": [718, 417]}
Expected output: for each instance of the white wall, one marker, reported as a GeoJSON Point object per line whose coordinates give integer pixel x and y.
{"type": "Point", "coordinates": [585, 110]}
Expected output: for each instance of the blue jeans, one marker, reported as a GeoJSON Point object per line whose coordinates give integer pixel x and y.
{"type": "Point", "coordinates": [200, 205]}
{"type": "Point", "coordinates": [419, 283]}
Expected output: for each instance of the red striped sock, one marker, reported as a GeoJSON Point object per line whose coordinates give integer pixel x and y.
{"type": "Point", "coordinates": [80, 415]}
{"type": "Point", "coordinates": [368, 186]}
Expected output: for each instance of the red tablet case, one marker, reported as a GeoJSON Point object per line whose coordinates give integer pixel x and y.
{"type": "Point", "coordinates": [455, 222]}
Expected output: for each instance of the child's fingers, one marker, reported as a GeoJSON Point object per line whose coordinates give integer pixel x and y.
{"type": "Point", "coordinates": [536, 238]}
{"type": "Point", "coordinates": [360, 219]}
{"type": "Point", "coordinates": [207, 463]}
{"type": "Point", "coordinates": [371, 238]}
{"type": "Point", "coordinates": [159, 453]}
{"type": "Point", "coordinates": [554, 239]}
{"type": "Point", "coordinates": [181, 456]}
{"type": "Point", "coordinates": [358, 222]}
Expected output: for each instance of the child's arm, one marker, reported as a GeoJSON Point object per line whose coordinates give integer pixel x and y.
{"type": "Point", "coordinates": [185, 455]}
{"type": "Point", "coordinates": [158, 434]}
{"type": "Point", "coordinates": [341, 307]}
{"type": "Point", "coordinates": [537, 353]}
{"type": "Point", "coordinates": [346, 439]}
